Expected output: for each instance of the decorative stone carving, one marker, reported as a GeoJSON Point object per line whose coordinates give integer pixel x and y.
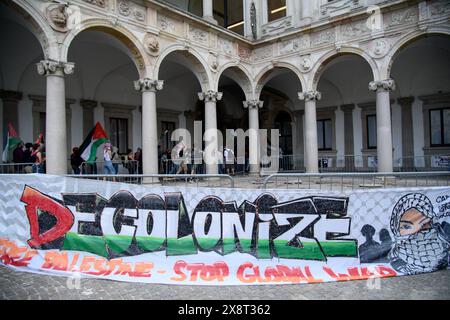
{"type": "Point", "coordinates": [387, 85]}
{"type": "Point", "coordinates": [253, 104]}
{"type": "Point", "coordinates": [262, 53]}
{"type": "Point", "coordinates": [225, 46]}
{"type": "Point", "coordinates": [356, 29]}
{"type": "Point", "coordinates": [305, 63]}
{"type": "Point", "coordinates": [198, 35]}
{"type": "Point", "coordinates": [134, 11]}
{"type": "Point", "coordinates": [166, 24]}
{"type": "Point", "coordinates": [210, 96]}
{"type": "Point", "coordinates": [379, 48]}
{"type": "Point", "coordinates": [148, 84]}
{"type": "Point", "coordinates": [324, 37]}
{"type": "Point", "coordinates": [151, 44]}
{"type": "Point", "coordinates": [409, 15]}
{"type": "Point", "coordinates": [334, 8]}
{"type": "Point", "coordinates": [310, 95]}
{"type": "Point", "coordinates": [57, 17]}
{"type": "Point", "coordinates": [213, 61]}
{"type": "Point", "coordinates": [98, 3]}
{"type": "Point", "coordinates": [244, 52]}
{"type": "Point", "coordinates": [277, 26]}
{"type": "Point", "coordinates": [52, 67]}
{"type": "Point", "coordinates": [439, 7]}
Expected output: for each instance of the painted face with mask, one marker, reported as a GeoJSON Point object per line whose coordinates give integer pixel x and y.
{"type": "Point", "coordinates": [417, 247]}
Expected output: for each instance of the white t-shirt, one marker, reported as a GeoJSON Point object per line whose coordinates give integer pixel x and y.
{"type": "Point", "coordinates": [106, 156]}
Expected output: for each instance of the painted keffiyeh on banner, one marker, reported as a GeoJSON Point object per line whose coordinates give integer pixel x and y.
{"type": "Point", "coordinates": [204, 236]}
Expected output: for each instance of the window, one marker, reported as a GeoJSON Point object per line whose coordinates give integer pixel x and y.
{"type": "Point", "coordinates": [276, 9]}
{"type": "Point", "coordinates": [229, 14]}
{"type": "Point", "coordinates": [119, 134]}
{"type": "Point", "coordinates": [167, 128]}
{"type": "Point", "coordinates": [371, 131]}
{"type": "Point", "coordinates": [325, 134]}
{"type": "Point", "coordinates": [440, 127]}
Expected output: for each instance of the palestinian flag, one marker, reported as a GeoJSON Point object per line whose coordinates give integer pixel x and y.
{"type": "Point", "coordinates": [11, 141]}
{"type": "Point", "coordinates": [40, 139]}
{"type": "Point", "coordinates": [95, 138]}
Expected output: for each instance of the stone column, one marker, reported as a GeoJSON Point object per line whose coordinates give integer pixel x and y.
{"type": "Point", "coordinates": [55, 115]}
{"type": "Point", "coordinates": [212, 144]}
{"type": "Point", "coordinates": [349, 149]}
{"type": "Point", "coordinates": [208, 14]}
{"type": "Point", "coordinates": [407, 132]}
{"type": "Point", "coordinates": [88, 107]}
{"type": "Point", "coordinates": [384, 129]}
{"type": "Point", "coordinates": [148, 87]}
{"type": "Point", "coordinates": [253, 138]}
{"type": "Point", "coordinates": [311, 146]}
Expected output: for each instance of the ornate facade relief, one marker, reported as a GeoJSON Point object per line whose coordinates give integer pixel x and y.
{"type": "Point", "coordinates": [98, 3]}
{"type": "Point", "coordinates": [277, 26]}
{"type": "Point", "coordinates": [310, 95]}
{"type": "Point", "coordinates": [166, 24]}
{"type": "Point", "coordinates": [305, 63]}
{"type": "Point", "coordinates": [198, 35]}
{"type": "Point", "coordinates": [244, 52]}
{"type": "Point", "coordinates": [225, 46]}
{"type": "Point", "coordinates": [294, 45]}
{"type": "Point", "coordinates": [151, 45]}
{"type": "Point", "coordinates": [339, 7]}
{"type": "Point", "coordinates": [57, 17]}
{"type": "Point", "coordinates": [323, 38]}
{"type": "Point", "coordinates": [131, 10]}
{"type": "Point", "coordinates": [213, 61]}
{"type": "Point", "coordinates": [354, 30]}
{"type": "Point", "coordinates": [210, 96]}
{"type": "Point", "coordinates": [253, 104]}
{"type": "Point", "coordinates": [439, 7]}
{"type": "Point", "coordinates": [409, 15]}
{"type": "Point", "coordinates": [262, 53]}
{"type": "Point", "coordinates": [379, 48]}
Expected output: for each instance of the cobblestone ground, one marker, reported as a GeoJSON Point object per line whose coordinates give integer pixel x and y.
{"type": "Point", "coordinates": [21, 286]}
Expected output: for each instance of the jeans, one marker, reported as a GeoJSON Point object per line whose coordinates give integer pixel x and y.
{"type": "Point", "coordinates": [38, 168]}
{"type": "Point", "coordinates": [108, 168]}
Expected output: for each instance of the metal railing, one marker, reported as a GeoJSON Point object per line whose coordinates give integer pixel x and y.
{"type": "Point", "coordinates": [199, 180]}
{"type": "Point", "coordinates": [16, 168]}
{"type": "Point", "coordinates": [356, 181]}
{"type": "Point", "coordinates": [121, 167]}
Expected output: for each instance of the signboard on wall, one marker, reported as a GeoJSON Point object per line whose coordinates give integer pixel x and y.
{"type": "Point", "coordinates": [204, 236]}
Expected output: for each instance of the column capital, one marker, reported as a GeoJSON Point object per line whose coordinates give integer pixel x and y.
{"type": "Point", "coordinates": [88, 104]}
{"type": "Point", "coordinates": [348, 107]}
{"type": "Point", "coordinates": [405, 102]}
{"type": "Point", "coordinates": [53, 67]}
{"type": "Point", "coordinates": [383, 85]}
{"type": "Point", "coordinates": [210, 96]}
{"type": "Point", "coordinates": [310, 95]}
{"type": "Point", "coordinates": [253, 104]}
{"type": "Point", "coordinates": [148, 84]}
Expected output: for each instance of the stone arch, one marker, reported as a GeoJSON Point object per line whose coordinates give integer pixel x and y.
{"type": "Point", "coordinates": [238, 74]}
{"type": "Point", "coordinates": [407, 40]}
{"type": "Point", "coordinates": [38, 26]}
{"type": "Point", "coordinates": [270, 71]}
{"type": "Point", "coordinates": [135, 52]}
{"type": "Point", "coordinates": [192, 60]}
{"type": "Point", "coordinates": [323, 61]}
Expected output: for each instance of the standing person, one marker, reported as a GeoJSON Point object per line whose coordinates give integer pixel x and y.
{"type": "Point", "coordinates": [177, 155]}
{"type": "Point", "coordinates": [108, 166]}
{"type": "Point", "coordinates": [27, 158]}
{"type": "Point", "coordinates": [138, 158]}
{"type": "Point", "coordinates": [219, 157]}
{"type": "Point", "coordinates": [229, 157]}
{"type": "Point", "coordinates": [76, 160]}
{"type": "Point", "coordinates": [115, 158]}
{"type": "Point", "coordinates": [18, 157]}
{"type": "Point", "coordinates": [38, 165]}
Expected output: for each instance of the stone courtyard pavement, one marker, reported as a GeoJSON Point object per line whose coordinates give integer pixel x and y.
{"type": "Point", "coordinates": [22, 286]}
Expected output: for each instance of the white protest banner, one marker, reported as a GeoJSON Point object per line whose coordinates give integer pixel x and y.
{"type": "Point", "coordinates": [213, 236]}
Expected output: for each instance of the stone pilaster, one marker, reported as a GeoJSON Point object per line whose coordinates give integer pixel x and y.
{"type": "Point", "coordinates": [407, 132]}
{"type": "Point", "coordinates": [88, 107]}
{"type": "Point", "coordinates": [253, 107]}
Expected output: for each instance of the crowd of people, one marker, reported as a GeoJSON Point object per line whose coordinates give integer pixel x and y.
{"type": "Point", "coordinates": [29, 158]}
